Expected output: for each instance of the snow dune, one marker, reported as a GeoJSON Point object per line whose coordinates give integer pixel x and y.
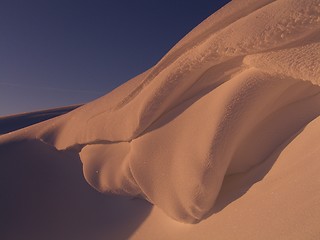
{"type": "Point", "coordinates": [240, 89]}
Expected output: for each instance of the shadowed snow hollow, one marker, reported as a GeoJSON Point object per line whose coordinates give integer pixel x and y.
{"type": "Point", "coordinates": [219, 103]}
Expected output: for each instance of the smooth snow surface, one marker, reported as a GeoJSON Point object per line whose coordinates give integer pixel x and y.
{"type": "Point", "coordinates": [242, 85]}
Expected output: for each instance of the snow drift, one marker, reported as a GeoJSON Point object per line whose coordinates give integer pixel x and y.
{"type": "Point", "coordinates": [219, 103]}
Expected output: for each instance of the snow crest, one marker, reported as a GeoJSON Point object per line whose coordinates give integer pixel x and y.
{"type": "Point", "coordinates": [217, 104]}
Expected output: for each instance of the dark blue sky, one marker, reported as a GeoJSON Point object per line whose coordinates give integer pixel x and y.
{"type": "Point", "coordinates": [56, 53]}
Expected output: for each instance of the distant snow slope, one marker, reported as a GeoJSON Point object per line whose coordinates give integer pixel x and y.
{"type": "Point", "coordinates": [218, 104]}
{"type": "Point", "coordinates": [15, 122]}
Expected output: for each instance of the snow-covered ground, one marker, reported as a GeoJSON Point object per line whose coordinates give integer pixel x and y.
{"type": "Point", "coordinates": [222, 133]}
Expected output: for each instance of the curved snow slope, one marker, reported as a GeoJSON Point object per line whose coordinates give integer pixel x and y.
{"type": "Point", "coordinates": [219, 103]}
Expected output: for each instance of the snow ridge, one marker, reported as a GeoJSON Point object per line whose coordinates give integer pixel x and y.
{"type": "Point", "coordinates": [217, 104]}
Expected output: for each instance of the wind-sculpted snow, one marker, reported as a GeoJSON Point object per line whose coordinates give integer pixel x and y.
{"type": "Point", "coordinates": [225, 97]}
